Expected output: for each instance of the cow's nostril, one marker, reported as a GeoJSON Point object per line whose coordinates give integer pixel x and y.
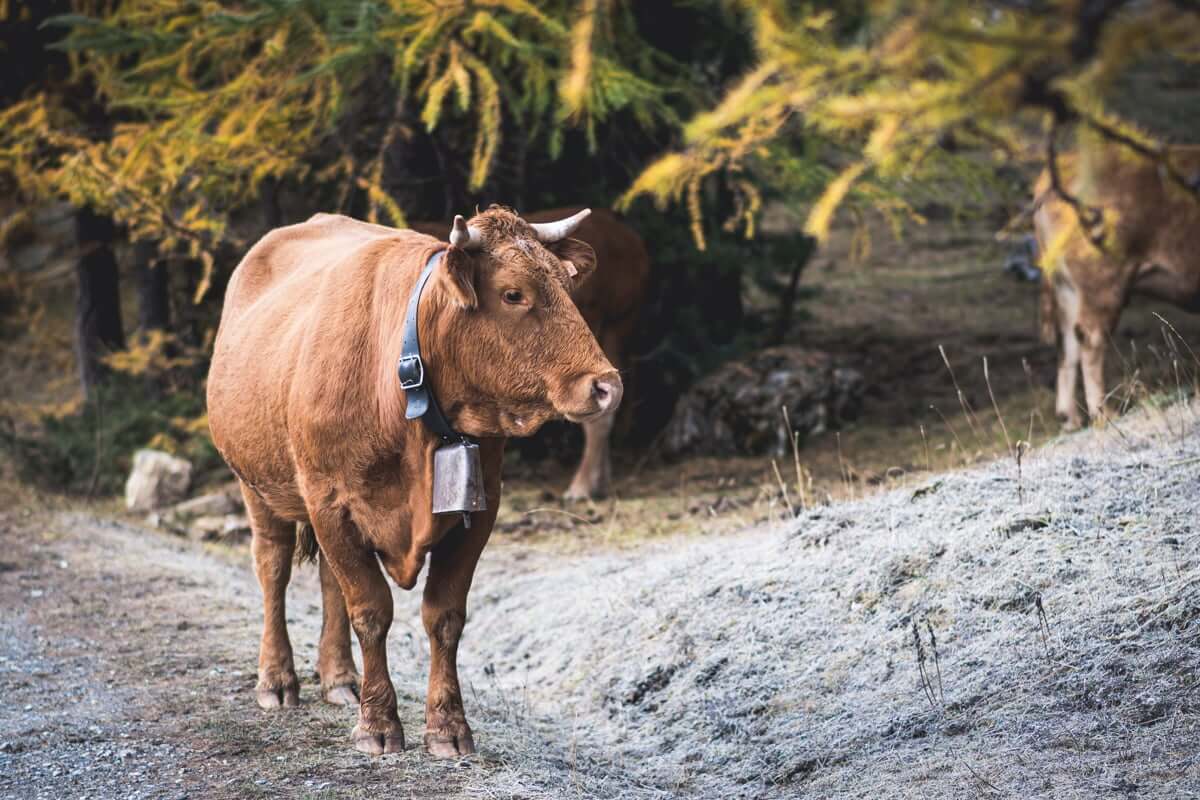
{"type": "Point", "coordinates": [604, 392]}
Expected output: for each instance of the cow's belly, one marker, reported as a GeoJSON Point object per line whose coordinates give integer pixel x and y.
{"type": "Point", "coordinates": [258, 454]}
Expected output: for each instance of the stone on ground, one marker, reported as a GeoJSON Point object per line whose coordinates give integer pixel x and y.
{"type": "Point", "coordinates": [738, 409]}
{"type": "Point", "coordinates": [157, 479]}
{"type": "Point", "coordinates": [211, 516]}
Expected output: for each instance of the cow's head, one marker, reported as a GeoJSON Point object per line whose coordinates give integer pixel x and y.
{"type": "Point", "coordinates": [523, 352]}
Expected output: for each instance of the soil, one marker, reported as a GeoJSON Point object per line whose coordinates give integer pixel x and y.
{"type": "Point", "coordinates": [127, 669]}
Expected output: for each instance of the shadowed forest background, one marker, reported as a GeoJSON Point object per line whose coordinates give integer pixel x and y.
{"type": "Point", "coordinates": [775, 158]}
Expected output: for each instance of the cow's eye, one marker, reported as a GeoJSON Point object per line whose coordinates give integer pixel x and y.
{"type": "Point", "coordinates": [513, 296]}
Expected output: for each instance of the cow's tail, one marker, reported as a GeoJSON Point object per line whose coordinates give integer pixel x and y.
{"type": "Point", "coordinates": [307, 548]}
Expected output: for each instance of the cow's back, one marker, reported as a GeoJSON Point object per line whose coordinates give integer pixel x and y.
{"type": "Point", "coordinates": [295, 350]}
{"type": "Point", "coordinates": [617, 291]}
{"type": "Point", "coordinates": [1156, 224]}
{"type": "Point", "coordinates": [289, 259]}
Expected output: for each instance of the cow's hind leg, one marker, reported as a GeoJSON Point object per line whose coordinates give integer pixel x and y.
{"type": "Point", "coordinates": [273, 543]}
{"type": "Point", "coordinates": [369, 606]}
{"type": "Point", "coordinates": [1065, 405]}
{"type": "Point", "coordinates": [335, 664]}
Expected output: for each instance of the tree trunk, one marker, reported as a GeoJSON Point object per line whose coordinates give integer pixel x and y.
{"type": "Point", "coordinates": [98, 328]}
{"type": "Point", "coordinates": [787, 302]}
{"type": "Point", "coordinates": [153, 288]}
{"type": "Point", "coordinates": [268, 197]}
{"type": "Point", "coordinates": [453, 175]}
{"type": "Point", "coordinates": [191, 323]}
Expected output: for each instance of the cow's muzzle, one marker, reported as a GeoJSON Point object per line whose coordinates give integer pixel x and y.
{"type": "Point", "coordinates": [597, 396]}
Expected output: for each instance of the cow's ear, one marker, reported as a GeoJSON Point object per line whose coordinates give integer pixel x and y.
{"type": "Point", "coordinates": [460, 277]}
{"type": "Point", "coordinates": [578, 257]}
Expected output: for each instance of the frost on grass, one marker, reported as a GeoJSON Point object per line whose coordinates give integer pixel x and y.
{"type": "Point", "coordinates": [965, 640]}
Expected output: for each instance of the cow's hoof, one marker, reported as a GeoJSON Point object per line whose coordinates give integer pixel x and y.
{"type": "Point", "coordinates": [581, 493]}
{"type": "Point", "coordinates": [344, 695]}
{"type": "Point", "coordinates": [1070, 424]}
{"type": "Point", "coordinates": [376, 744]}
{"type": "Point", "coordinates": [450, 741]}
{"type": "Point", "coordinates": [271, 698]}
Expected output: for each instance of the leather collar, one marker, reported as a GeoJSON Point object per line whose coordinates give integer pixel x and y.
{"type": "Point", "coordinates": [411, 368]}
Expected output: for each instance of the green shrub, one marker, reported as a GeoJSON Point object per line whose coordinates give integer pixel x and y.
{"type": "Point", "coordinates": [90, 452]}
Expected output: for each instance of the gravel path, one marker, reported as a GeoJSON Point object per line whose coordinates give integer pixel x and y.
{"type": "Point", "coordinates": [1058, 621]}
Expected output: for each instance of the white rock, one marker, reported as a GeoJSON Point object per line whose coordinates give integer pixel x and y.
{"type": "Point", "coordinates": [217, 503]}
{"type": "Point", "coordinates": [157, 479]}
{"type": "Point", "coordinates": [218, 526]}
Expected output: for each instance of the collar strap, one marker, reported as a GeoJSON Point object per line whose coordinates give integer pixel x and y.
{"type": "Point", "coordinates": [411, 367]}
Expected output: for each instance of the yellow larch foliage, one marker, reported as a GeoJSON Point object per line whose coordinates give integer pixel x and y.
{"type": "Point", "coordinates": [894, 93]}
{"type": "Point", "coordinates": [212, 99]}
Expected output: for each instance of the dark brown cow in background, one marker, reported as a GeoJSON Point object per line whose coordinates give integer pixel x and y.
{"type": "Point", "coordinates": [1154, 250]}
{"type": "Point", "coordinates": [610, 304]}
{"type": "Point", "coordinates": [306, 407]}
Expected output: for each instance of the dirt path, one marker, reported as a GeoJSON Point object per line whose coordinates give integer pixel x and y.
{"type": "Point", "coordinates": [127, 669]}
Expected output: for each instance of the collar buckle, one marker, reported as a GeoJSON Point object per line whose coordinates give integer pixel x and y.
{"type": "Point", "coordinates": [411, 370]}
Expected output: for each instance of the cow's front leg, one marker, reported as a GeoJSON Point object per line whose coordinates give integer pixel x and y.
{"type": "Point", "coordinates": [594, 474]}
{"type": "Point", "coordinates": [369, 605]}
{"type": "Point", "coordinates": [444, 613]}
{"type": "Point", "coordinates": [272, 545]}
{"type": "Point", "coordinates": [335, 664]}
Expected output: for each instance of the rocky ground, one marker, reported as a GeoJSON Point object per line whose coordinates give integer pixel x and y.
{"type": "Point", "coordinates": [988, 633]}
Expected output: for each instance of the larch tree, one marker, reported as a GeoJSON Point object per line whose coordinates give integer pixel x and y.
{"type": "Point", "coordinates": [209, 102]}
{"type": "Point", "coordinates": [891, 95]}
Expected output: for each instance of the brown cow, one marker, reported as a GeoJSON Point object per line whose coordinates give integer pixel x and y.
{"type": "Point", "coordinates": [610, 304]}
{"type": "Point", "coordinates": [1152, 250]}
{"type": "Point", "coordinates": [305, 405]}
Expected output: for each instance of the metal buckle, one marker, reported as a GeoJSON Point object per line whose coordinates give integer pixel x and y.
{"type": "Point", "coordinates": [408, 381]}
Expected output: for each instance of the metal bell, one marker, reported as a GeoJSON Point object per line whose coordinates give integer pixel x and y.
{"type": "Point", "coordinates": [458, 479]}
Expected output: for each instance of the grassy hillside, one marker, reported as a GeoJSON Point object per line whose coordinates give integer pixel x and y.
{"type": "Point", "coordinates": [989, 632]}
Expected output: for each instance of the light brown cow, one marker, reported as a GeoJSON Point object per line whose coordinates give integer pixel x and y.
{"type": "Point", "coordinates": [1153, 249]}
{"type": "Point", "coordinates": [610, 304]}
{"type": "Point", "coordinates": [305, 405]}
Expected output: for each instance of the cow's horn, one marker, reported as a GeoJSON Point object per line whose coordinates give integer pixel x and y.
{"type": "Point", "coordinates": [465, 236]}
{"type": "Point", "coordinates": [557, 231]}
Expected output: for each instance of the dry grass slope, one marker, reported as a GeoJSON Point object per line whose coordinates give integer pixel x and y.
{"type": "Point", "coordinates": [971, 638]}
